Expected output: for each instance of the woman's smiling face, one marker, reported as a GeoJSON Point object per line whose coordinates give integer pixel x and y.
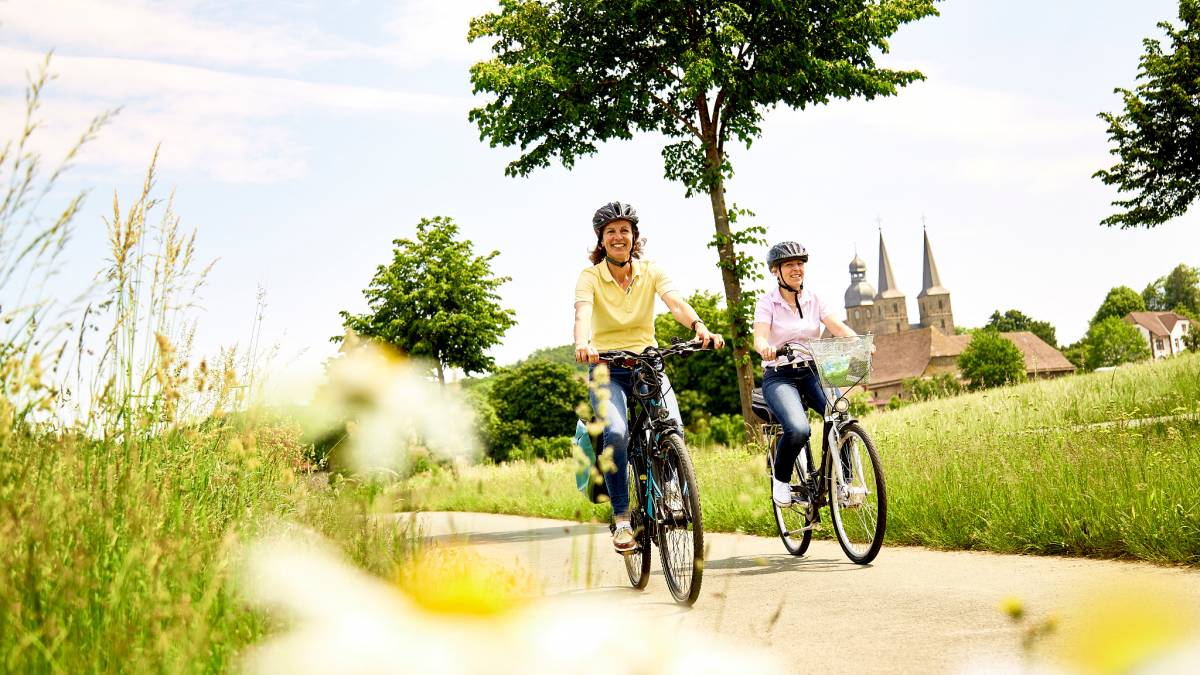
{"type": "Point", "coordinates": [791, 272]}
{"type": "Point", "coordinates": [617, 239]}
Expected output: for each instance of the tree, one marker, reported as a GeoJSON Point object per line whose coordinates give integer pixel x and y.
{"type": "Point", "coordinates": [991, 360]}
{"type": "Point", "coordinates": [1111, 342]}
{"type": "Point", "coordinates": [1178, 291]}
{"type": "Point", "coordinates": [1157, 136]}
{"type": "Point", "coordinates": [436, 299]}
{"type": "Point", "coordinates": [1013, 321]}
{"type": "Point", "coordinates": [564, 354]}
{"type": "Point", "coordinates": [942, 385]}
{"type": "Point", "coordinates": [537, 399]}
{"type": "Point", "coordinates": [706, 382]}
{"type": "Point", "coordinates": [568, 75]}
{"type": "Point", "coordinates": [1119, 302]}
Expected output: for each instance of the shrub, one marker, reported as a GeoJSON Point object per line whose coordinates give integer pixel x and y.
{"type": "Point", "coordinates": [537, 399]}
{"type": "Point", "coordinates": [1112, 342]}
{"type": "Point", "coordinates": [942, 385]}
{"type": "Point", "coordinates": [991, 360]}
{"type": "Point", "coordinates": [549, 449]}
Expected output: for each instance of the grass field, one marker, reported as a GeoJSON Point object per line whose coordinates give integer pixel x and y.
{"type": "Point", "coordinates": [1051, 467]}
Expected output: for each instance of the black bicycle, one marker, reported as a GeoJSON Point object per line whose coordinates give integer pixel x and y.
{"type": "Point", "coordinates": [664, 500]}
{"type": "Point", "coordinates": [849, 481]}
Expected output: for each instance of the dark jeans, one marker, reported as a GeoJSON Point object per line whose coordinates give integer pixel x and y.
{"type": "Point", "coordinates": [787, 391]}
{"type": "Point", "coordinates": [616, 430]}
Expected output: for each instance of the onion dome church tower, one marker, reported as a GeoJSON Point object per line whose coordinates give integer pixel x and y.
{"type": "Point", "coordinates": [934, 300]}
{"type": "Point", "coordinates": [860, 299]}
{"type": "Point", "coordinates": [891, 307]}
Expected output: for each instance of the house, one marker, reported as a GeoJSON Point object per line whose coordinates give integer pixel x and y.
{"type": "Point", "coordinates": [1163, 331]}
{"type": "Point", "coordinates": [925, 352]}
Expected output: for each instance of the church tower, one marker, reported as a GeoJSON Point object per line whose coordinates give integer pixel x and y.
{"type": "Point", "coordinates": [934, 300]}
{"type": "Point", "coordinates": [891, 307]}
{"type": "Point", "coordinates": [860, 299]}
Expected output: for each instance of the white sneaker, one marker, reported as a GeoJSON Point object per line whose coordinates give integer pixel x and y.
{"type": "Point", "coordinates": [623, 538]}
{"type": "Point", "coordinates": [781, 492]}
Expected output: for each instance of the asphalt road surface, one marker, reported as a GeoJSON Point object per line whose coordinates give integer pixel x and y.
{"type": "Point", "coordinates": [911, 610]}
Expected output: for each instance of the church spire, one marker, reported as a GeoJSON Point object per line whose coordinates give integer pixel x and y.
{"type": "Point", "coordinates": [887, 280]}
{"type": "Point", "coordinates": [931, 283]}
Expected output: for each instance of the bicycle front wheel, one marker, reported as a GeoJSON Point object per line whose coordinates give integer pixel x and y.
{"type": "Point", "coordinates": [681, 528]}
{"type": "Point", "coordinates": [858, 496]}
{"type": "Point", "coordinates": [637, 563]}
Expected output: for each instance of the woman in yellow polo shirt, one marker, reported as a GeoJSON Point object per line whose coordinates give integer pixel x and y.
{"type": "Point", "coordinates": [614, 309]}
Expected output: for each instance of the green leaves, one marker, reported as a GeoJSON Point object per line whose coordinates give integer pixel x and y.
{"type": "Point", "coordinates": [436, 299]}
{"type": "Point", "coordinates": [1157, 137]}
{"type": "Point", "coordinates": [990, 360]}
{"type": "Point", "coordinates": [1014, 320]}
{"type": "Point", "coordinates": [1111, 342]}
{"type": "Point", "coordinates": [1120, 301]}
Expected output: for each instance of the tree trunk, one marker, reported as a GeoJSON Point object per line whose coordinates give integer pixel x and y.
{"type": "Point", "coordinates": [441, 375]}
{"type": "Point", "coordinates": [733, 287]}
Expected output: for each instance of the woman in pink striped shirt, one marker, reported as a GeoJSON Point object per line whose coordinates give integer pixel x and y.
{"type": "Point", "coordinates": [788, 313]}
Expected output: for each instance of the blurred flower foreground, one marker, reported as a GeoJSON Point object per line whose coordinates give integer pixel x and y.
{"type": "Point", "coordinates": [376, 410]}
{"type": "Point", "coordinates": [454, 612]}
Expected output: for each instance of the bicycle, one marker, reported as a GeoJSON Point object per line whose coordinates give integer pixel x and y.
{"type": "Point", "coordinates": [664, 504]}
{"type": "Point", "coordinates": [849, 481]}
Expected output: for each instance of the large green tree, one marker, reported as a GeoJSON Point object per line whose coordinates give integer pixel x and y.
{"type": "Point", "coordinates": [1111, 342]}
{"type": "Point", "coordinates": [1014, 320]}
{"type": "Point", "coordinates": [991, 360]}
{"type": "Point", "coordinates": [1178, 291]}
{"type": "Point", "coordinates": [704, 382]}
{"type": "Point", "coordinates": [1157, 136]}
{"type": "Point", "coordinates": [436, 299]}
{"type": "Point", "coordinates": [568, 75]}
{"type": "Point", "coordinates": [1120, 301]}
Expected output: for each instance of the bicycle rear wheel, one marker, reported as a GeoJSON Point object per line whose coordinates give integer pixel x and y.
{"type": "Point", "coordinates": [637, 564]}
{"type": "Point", "coordinates": [858, 496]}
{"type": "Point", "coordinates": [792, 522]}
{"type": "Point", "coordinates": [681, 528]}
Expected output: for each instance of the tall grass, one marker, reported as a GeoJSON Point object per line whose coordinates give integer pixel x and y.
{"type": "Point", "coordinates": [123, 505]}
{"type": "Point", "coordinates": [1055, 467]}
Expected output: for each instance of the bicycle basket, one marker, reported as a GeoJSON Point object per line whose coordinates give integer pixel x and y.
{"type": "Point", "coordinates": [843, 361]}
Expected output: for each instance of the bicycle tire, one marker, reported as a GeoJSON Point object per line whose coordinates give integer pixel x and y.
{"type": "Point", "coordinates": [859, 527]}
{"type": "Point", "coordinates": [792, 520]}
{"type": "Point", "coordinates": [680, 539]}
{"type": "Point", "coordinates": [637, 565]}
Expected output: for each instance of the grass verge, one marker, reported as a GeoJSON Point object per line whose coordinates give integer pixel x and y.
{"type": "Point", "coordinates": [1050, 467]}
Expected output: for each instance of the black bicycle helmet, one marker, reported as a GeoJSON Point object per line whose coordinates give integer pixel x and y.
{"type": "Point", "coordinates": [784, 251]}
{"type": "Point", "coordinates": [613, 211]}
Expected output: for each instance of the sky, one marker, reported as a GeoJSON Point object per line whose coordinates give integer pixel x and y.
{"type": "Point", "coordinates": [301, 138]}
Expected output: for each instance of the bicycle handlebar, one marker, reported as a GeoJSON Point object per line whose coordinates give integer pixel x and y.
{"type": "Point", "coordinates": [628, 359]}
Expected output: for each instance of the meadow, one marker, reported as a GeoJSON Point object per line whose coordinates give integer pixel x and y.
{"type": "Point", "coordinates": [1102, 464]}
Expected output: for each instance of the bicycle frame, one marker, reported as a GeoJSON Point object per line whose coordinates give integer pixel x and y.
{"type": "Point", "coordinates": [649, 420]}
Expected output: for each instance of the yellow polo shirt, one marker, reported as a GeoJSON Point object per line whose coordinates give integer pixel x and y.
{"type": "Point", "coordinates": [623, 318]}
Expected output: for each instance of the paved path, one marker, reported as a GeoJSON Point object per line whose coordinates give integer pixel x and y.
{"type": "Point", "coordinates": [912, 610]}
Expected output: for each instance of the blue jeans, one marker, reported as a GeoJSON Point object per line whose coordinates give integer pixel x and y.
{"type": "Point", "coordinates": [616, 430]}
{"type": "Point", "coordinates": [787, 391]}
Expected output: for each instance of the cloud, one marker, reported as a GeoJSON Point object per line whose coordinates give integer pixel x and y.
{"type": "Point", "coordinates": [428, 32]}
{"type": "Point", "coordinates": [233, 127]}
{"type": "Point", "coordinates": [134, 29]}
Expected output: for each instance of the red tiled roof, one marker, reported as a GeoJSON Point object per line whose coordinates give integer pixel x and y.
{"type": "Point", "coordinates": [907, 353]}
{"type": "Point", "coordinates": [1039, 356]}
{"type": "Point", "coordinates": [1151, 322]}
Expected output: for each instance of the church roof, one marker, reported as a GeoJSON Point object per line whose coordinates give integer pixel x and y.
{"type": "Point", "coordinates": [908, 353]}
{"type": "Point", "coordinates": [931, 283]}
{"type": "Point", "coordinates": [860, 294]}
{"type": "Point", "coordinates": [887, 280]}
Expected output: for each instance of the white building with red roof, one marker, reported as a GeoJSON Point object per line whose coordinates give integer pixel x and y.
{"type": "Point", "coordinates": [1163, 331]}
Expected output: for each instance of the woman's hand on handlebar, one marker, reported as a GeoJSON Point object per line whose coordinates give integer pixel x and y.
{"type": "Point", "coordinates": [586, 354]}
{"type": "Point", "coordinates": [764, 349]}
{"type": "Point", "coordinates": [704, 337]}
